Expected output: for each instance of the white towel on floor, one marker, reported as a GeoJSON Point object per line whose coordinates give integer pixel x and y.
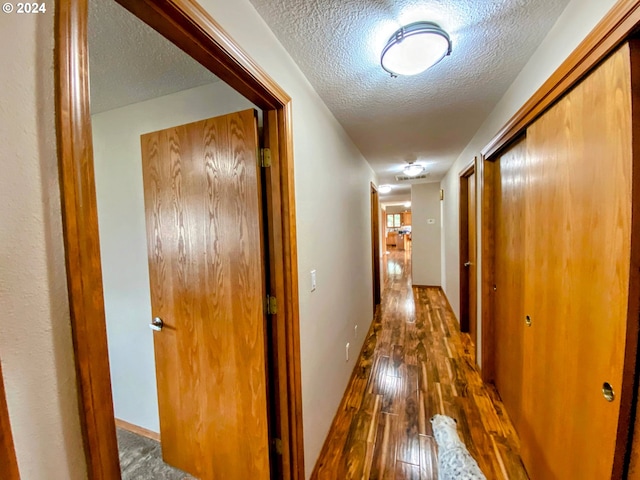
{"type": "Point", "coordinates": [454, 460]}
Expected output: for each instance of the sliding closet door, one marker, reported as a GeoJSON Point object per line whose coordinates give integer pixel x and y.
{"type": "Point", "coordinates": [578, 229]}
{"type": "Point", "coordinates": [509, 225]}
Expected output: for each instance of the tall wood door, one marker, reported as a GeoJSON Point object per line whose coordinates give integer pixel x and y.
{"type": "Point", "coordinates": [578, 232]}
{"type": "Point", "coordinates": [206, 265]}
{"type": "Point", "coordinates": [509, 224]}
{"type": "Point", "coordinates": [473, 270]}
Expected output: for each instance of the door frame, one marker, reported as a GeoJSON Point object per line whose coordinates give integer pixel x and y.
{"type": "Point", "coordinates": [7, 448]}
{"type": "Point", "coordinates": [186, 24]}
{"type": "Point", "coordinates": [465, 282]}
{"type": "Point", "coordinates": [375, 246]}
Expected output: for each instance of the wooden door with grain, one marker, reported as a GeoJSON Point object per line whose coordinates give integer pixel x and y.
{"type": "Point", "coordinates": [206, 265]}
{"type": "Point", "coordinates": [509, 225]}
{"type": "Point", "coordinates": [578, 231]}
{"type": "Point", "coordinates": [473, 270]}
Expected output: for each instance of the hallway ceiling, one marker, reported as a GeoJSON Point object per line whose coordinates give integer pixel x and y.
{"type": "Point", "coordinates": [429, 117]}
{"type": "Point", "coordinates": [130, 62]}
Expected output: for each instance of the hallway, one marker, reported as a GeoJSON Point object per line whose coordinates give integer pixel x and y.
{"type": "Point", "coordinates": [415, 364]}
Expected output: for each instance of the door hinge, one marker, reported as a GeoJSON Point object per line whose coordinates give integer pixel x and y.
{"type": "Point", "coordinates": [277, 444]}
{"type": "Point", "coordinates": [272, 305]}
{"type": "Point", "coordinates": [265, 157]}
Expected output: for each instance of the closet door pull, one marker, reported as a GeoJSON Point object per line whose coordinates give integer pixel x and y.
{"type": "Point", "coordinates": [607, 392]}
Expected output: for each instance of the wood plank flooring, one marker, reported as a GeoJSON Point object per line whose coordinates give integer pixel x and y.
{"type": "Point", "coordinates": [415, 363]}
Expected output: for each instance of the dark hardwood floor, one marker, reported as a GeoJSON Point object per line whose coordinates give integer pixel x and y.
{"type": "Point", "coordinates": [415, 363]}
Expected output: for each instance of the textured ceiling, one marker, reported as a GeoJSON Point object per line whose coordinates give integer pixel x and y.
{"type": "Point", "coordinates": [130, 62]}
{"type": "Point", "coordinates": [429, 117]}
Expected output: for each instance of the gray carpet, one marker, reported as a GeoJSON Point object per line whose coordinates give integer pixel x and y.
{"type": "Point", "coordinates": [141, 459]}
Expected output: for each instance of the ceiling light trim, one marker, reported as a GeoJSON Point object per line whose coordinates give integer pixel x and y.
{"type": "Point", "coordinates": [411, 31]}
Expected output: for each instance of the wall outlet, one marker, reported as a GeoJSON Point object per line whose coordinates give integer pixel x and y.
{"type": "Point", "coordinates": [355, 331]}
{"type": "Point", "coordinates": [347, 351]}
{"type": "Point", "coordinates": [313, 280]}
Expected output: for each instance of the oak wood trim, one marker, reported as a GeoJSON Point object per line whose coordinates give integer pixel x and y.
{"type": "Point", "coordinates": [143, 432]}
{"type": "Point", "coordinates": [626, 452]}
{"type": "Point", "coordinates": [290, 290]}
{"type": "Point", "coordinates": [82, 246]}
{"type": "Point", "coordinates": [7, 449]}
{"type": "Point", "coordinates": [191, 28]}
{"type": "Point", "coordinates": [463, 243]}
{"type": "Point", "coordinates": [609, 33]}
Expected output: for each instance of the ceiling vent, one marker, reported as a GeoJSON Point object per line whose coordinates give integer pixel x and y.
{"type": "Point", "coordinates": [422, 178]}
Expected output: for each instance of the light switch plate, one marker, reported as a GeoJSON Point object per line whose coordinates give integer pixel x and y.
{"type": "Point", "coordinates": [313, 280]}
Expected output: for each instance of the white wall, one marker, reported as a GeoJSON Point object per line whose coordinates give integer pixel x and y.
{"type": "Point", "coordinates": [425, 236]}
{"type": "Point", "coordinates": [575, 23]}
{"type": "Point", "coordinates": [35, 333]}
{"type": "Point", "coordinates": [123, 241]}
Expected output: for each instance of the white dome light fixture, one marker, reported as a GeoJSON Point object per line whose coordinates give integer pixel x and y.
{"type": "Point", "coordinates": [414, 48]}
{"type": "Point", "coordinates": [384, 189]}
{"type": "Point", "coordinates": [413, 170]}
{"type": "Point", "coordinates": [407, 204]}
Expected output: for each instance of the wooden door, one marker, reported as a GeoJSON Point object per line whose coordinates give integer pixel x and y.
{"type": "Point", "coordinates": [578, 231]}
{"type": "Point", "coordinates": [204, 230]}
{"type": "Point", "coordinates": [375, 246]}
{"type": "Point", "coordinates": [509, 318]}
{"type": "Point", "coordinates": [467, 241]}
{"type": "Point", "coordinates": [473, 275]}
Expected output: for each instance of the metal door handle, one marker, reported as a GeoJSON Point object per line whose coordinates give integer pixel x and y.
{"type": "Point", "coordinates": [156, 324]}
{"type": "Point", "coordinates": [467, 264]}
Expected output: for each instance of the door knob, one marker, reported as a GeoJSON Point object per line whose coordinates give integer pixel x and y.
{"type": "Point", "coordinates": [467, 264]}
{"type": "Point", "coordinates": [156, 324]}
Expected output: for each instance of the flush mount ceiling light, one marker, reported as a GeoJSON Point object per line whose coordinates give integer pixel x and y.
{"type": "Point", "coordinates": [384, 188]}
{"type": "Point", "coordinates": [414, 48]}
{"type": "Point", "coordinates": [413, 170]}
{"type": "Point", "coordinates": [407, 204]}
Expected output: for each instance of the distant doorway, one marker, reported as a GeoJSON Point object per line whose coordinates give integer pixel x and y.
{"type": "Point", "coordinates": [468, 272]}
{"type": "Point", "coordinates": [375, 246]}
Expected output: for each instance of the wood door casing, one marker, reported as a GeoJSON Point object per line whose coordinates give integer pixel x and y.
{"type": "Point", "coordinates": [8, 462]}
{"type": "Point", "coordinates": [509, 238]}
{"type": "Point", "coordinates": [206, 263]}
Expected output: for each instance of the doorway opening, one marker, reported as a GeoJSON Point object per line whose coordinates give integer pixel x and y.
{"type": "Point", "coordinates": [194, 31]}
{"type": "Point", "coordinates": [375, 246]}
